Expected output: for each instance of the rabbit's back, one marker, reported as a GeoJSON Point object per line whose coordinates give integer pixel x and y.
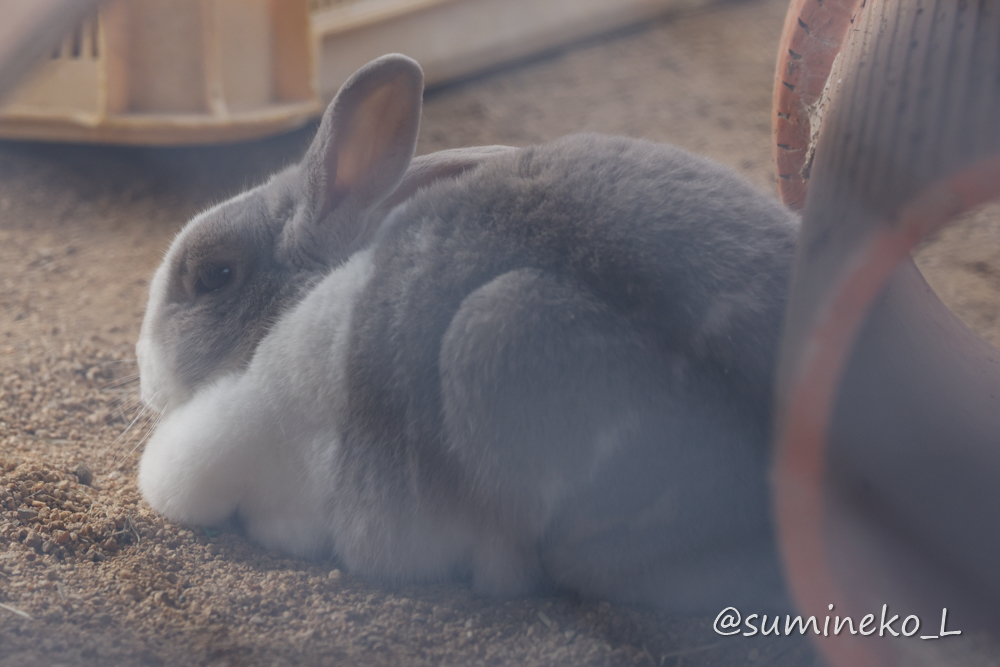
{"type": "Point", "coordinates": [588, 323]}
{"type": "Point", "coordinates": [690, 254]}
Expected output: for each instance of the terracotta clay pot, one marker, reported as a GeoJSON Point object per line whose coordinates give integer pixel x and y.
{"type": "Point", "coordinates": [887, 475]}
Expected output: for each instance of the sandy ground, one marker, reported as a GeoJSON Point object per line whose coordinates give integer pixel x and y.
{"type": "Point", "coordinates": [90, 576]}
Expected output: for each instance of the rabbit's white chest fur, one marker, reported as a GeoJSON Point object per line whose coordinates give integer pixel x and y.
{"type": "Point", "coordinates": [254, 445]}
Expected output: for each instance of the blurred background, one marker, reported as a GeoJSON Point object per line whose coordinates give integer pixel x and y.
{"type": "Point", "coordinates": [203, 71]}
{"type": "Point", "coordinates": [151, 110]}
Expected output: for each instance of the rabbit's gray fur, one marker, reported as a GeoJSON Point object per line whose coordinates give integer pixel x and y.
{"type": "Point", "coordinates": [550, 364]}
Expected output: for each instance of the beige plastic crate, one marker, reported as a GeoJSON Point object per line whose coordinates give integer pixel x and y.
{"type": "Point", "coordinates": [196, 71]}
{"type": "Point", "coordinates": [172, 71]}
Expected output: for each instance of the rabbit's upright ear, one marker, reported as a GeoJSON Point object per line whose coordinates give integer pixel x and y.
{"type": "Point", "coordinates": [363, 147]}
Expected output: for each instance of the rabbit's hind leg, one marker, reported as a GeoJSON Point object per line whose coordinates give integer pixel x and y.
{"type": "Point", "coordinates": [618, 469]}
{"type": "Point", "coordinates": [680, 519]}
{"type": "Point", "coordinates": [541, 384]}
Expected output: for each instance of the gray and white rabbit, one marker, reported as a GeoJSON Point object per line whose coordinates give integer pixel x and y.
{"type": "Point", "coordinates": [546, 366]}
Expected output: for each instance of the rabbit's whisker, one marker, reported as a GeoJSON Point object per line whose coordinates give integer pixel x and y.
{"type": "Point", "coordinates": [125, 404]}
{"type": "Point", "coordinates": [115, 361]}
{"type": "Point", "coordinates": [128, 379]}
{"type": "Point", "coordinates": [135, 420]}
{"type": "Point", "coordinates": [155, 421]}
{"type": "Point", "coordinates": [117, 460]}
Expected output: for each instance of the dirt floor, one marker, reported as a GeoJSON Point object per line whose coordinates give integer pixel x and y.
{"type": "Point", "coordinates": [90, 576]}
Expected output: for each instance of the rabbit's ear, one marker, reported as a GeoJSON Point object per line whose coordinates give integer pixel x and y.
{"type": "Point", "coordinates": [364, 144]}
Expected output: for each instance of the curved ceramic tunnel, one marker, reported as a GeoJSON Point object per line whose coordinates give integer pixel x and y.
{"type": "Point", "coordinates": [887, 474]}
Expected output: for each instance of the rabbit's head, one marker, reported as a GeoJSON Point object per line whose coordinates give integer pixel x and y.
{"type": "Point", "coordinates": [234, 269]}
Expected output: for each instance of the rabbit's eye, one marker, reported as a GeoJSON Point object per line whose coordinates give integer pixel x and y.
{"type": "Point", "coordinates": [212, 277]}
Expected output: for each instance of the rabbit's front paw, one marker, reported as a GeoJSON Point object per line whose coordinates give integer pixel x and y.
{"type": "Point", "coordinates": [189, 471]}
